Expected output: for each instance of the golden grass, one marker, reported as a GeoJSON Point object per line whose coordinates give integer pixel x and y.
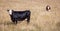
{"type": "Point", "coordinates": [41, 20]}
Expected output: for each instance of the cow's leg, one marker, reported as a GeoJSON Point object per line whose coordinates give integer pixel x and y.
{"type": "Point", "coordinates": [28, 19]}
{"type": "Point", "coordinates": [15, 21]}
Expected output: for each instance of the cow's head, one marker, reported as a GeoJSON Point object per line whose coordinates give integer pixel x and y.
{"type": "Point", "coordinates": [10, 11]}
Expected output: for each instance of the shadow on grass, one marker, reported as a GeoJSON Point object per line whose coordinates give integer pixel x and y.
{"type": "Point", "coordinates": [9, 23]}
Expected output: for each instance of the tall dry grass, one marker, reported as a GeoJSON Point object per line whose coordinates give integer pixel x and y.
{"type": "Point", "coordinates": [41, 20]}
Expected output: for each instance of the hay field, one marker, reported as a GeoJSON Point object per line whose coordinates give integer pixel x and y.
{"type": "Point", "coordinates": [41, 20]}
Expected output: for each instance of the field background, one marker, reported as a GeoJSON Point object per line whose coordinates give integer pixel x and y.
{"type": "Point", "coordinates": [41, 20]}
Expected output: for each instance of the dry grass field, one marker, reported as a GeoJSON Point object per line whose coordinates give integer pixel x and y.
{"type": "Point", "coordinates": [41, 20]}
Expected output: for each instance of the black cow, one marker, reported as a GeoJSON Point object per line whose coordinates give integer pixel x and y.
{"type": "Point", "coordinates": [19, 15]}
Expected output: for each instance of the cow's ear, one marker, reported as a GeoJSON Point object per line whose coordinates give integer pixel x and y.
{"type": "Point", "coordinates": [7, 10]}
